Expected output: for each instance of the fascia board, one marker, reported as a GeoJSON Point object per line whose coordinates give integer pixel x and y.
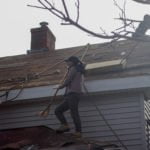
{"type": "Point", "coordinates": [94, 86]}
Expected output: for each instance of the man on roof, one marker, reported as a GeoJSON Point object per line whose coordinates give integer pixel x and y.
{"type": "Point", "coordinates": [73, 84]}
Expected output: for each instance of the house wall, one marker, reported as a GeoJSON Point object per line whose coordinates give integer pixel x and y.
{"type": "Point", "coordinates": [122, 111]}
{"type": "Point", "coordinates": [147, 118]}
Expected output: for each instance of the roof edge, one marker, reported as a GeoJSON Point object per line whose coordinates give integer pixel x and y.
{"type": "Point", "coordinates": [95, 86]}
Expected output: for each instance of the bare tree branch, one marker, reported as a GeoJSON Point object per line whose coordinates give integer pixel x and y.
{"type": "Point", "coordinates": [130, 24]}
{"type": "Point", "coordinates": [36, 6]}
{"type": "Point", "coordinates": [52, 9]}
{"type": "Point", "coordinates": [120, 33]}
{"type": "Point", "coordinates": [65, 7]}
{"type": "Point", "coordinates": [123, 13]}
{"type": "Point", "coordinates": [68, 20]}
{"type": "Point", "coordinates": [128, 19]}
{"type": "Point", "coordinates": [124, 26]}
{"type": "Point", "coordinates": [77, 4]}
{"type": "Point", "coordinates": [89, 31]}
{"type": "Point", "coordinates": [104, 32]}
{"type": "Point", "coordinates": [124, 9]}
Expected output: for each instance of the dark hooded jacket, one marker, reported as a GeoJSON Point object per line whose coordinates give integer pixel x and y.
{"type": "Point", "coordinates": [73, 81]}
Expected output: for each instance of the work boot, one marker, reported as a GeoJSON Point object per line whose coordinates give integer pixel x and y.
{"type": "Point", "coordinates": [63, 128]}
{"type": "Point", "coordinates": [77, 134]}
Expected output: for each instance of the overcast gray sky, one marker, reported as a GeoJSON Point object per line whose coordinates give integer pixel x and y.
{"type": "Point", "coordinates": [17, 19]}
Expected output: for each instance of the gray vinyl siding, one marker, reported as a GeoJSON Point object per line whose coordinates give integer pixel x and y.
{"type": "Point", "coordinates": [147, 117]}
{"type": "Point", "coordinates": [122, 112]}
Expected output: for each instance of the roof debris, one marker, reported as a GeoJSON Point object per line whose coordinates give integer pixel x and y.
{"type": "Point", "coordinates": [42, 138]}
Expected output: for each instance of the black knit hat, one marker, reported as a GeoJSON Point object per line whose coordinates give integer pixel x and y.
{"type": "Point", "coordinates": [73, 59]}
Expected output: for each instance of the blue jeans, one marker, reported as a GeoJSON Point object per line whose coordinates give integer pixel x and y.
{"type": "Point", "coordinates": [71, 101]}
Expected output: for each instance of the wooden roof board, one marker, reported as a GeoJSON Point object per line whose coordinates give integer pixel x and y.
{"type": "Point", "coordinates": [137, 63]}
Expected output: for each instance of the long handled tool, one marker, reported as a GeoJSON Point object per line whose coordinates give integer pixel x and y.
{"type": "Point", "coordinates": [45, 112]}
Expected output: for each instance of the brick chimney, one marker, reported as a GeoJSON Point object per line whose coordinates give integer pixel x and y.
{"type": "Point", "coordinates": [42, 39]}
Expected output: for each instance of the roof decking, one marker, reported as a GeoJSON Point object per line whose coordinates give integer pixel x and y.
{"type": "Point", "coordinates": [15, 69]}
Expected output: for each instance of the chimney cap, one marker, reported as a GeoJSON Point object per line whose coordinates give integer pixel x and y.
{"type": "Point", "coordinates": [44, 23]}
